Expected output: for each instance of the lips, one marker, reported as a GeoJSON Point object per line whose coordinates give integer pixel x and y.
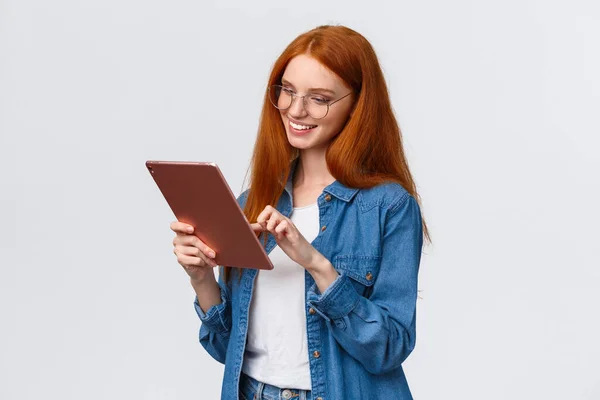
{"type": "Point", "coordinates": [300, 129]}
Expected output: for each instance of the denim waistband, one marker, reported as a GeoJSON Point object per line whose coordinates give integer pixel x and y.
{"type": "Point", "coordinates": [264, 391]}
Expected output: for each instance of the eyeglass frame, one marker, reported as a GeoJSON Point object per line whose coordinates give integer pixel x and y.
{"type": "Point", "coordinates": [294, 95]}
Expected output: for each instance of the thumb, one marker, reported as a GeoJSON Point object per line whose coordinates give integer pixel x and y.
{"type": "Point", "coordinates": [256, 227]}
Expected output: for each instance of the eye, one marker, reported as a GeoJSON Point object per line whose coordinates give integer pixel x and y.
{"type": "Point", "coordinates": [287, 90]}
{"type": "Point", "coordinates": [319, 100]}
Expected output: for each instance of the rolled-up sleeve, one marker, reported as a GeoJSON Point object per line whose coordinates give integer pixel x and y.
{"type": "Point", "coordinates": [379, 331]}
{"type": "Point", "coordinates": [337, 301]}
{"type": "Point", "coordinates": [218, 317]}
{"type": "Point", "coordinates": [215, 325]}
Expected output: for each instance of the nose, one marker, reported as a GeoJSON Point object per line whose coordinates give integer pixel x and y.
{"type": "Point", "coordinates": [297, 109]}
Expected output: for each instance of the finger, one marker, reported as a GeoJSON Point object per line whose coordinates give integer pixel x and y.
{"type": "Point", "coordinates": [256, 227]}
{"type": "Point", "coordinates": [190, 257]}
{"type": "Point", "coordinates": [184, 239]}
{"type": "Point", "coordinates": [189, 251]}
{"type": "Point", "coordinates": [272, 223]}
{"type": "Point", "coordinates": [282, 228]}
{"type": "Point", "coordinates": [265, 215]}
{"type": "Point", "coordinates": [189, 261]}
{"type": "Point", "coordinates": [181, 227]}
{"type": "Point", "coordinates": [191, 240]}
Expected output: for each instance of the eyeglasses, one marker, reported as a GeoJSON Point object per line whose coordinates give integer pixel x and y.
{"type": "Point", "coordinates": [316, 105]}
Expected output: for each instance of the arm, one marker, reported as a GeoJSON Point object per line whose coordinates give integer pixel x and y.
{"type": "Point", "coordinates": [214, 297]}
{"type": "Point", "coordinates": [379, 331]}
{"type": "Point", "coordinates": [216, 321]}
{"type": "Point", "coordinates": [208, 293]}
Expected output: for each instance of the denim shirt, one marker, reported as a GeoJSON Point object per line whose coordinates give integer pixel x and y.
{"type": "Point", "coordinates": [362, 327]}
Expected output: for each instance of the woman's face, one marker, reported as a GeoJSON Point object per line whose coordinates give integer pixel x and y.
{"type": "Point", "coordinates": [306, 76]}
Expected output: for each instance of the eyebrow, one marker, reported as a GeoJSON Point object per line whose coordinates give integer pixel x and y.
{"type": "Point", "coordinates": [285, 82]}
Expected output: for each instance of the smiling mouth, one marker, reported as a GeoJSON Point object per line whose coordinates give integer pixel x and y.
{"type": "Point", "coordinates": [301, 127]}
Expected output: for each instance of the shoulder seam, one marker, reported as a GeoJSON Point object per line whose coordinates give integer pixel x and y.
{"type": "Point", "coordinates": [399, 202]}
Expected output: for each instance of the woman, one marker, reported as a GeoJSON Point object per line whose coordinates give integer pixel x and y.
{"type": "Point", "coordinates": [333, 199]}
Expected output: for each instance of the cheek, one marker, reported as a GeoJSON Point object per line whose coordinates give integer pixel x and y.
{"type": "Point", "coordinates": [334, 125]}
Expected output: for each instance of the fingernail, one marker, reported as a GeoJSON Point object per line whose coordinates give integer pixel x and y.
{"type": "Point", "coordinates": [211, 254]}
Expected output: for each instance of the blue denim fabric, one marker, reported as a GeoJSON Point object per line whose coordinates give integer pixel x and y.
{"type": "Point", "coordinates": [362, 327]}
{"type": "Point", "coordinates": [251, 389]}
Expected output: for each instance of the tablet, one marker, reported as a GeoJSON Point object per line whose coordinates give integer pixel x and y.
{"type": "Point", "coordinates": [199, 195]}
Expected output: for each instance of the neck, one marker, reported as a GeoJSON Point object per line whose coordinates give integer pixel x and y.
{"type": "Point", "coordinates": [312, 169]}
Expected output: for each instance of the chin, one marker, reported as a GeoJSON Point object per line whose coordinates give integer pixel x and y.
{"type": "Point", "coordinates": [299, 143]}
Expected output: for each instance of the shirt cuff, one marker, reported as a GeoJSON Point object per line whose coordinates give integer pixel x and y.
{"type": "Point", "coordinates": [215, 318]}
{"type": "Point", "coordinates": [338, 300]}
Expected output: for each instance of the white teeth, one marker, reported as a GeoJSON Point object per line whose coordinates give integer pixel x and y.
{"type": "Point", "coordinates": [301, 127]}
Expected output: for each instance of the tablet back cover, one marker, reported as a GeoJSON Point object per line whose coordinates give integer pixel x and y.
{"type": "Point", "coordinates": [199, 195]}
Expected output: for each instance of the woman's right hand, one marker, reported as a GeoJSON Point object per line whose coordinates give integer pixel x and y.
{"type": "Point", "coordinates": [195, 257]}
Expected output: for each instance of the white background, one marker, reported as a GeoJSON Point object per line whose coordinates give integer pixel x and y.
{"type": "Point", "coordinates": [498, 102]}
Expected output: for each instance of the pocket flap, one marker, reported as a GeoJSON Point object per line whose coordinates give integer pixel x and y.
{"type": "Point", "coordinates": [363, 269]}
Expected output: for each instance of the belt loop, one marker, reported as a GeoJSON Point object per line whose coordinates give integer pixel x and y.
{"type": "Point", "coordinates": [302, 395]}
{"type": "Point", "coordinates": [259, 391]}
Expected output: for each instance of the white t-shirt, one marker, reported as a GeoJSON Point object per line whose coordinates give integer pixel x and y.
{"type": "Point", "coordinates": [277, 348]}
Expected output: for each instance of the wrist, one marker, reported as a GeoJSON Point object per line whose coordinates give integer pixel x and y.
{"type": "Point", "coordinates": [208, 280]}
{"type": "Point", "coordinates": [323, 273]}
{"type": "Point", "coordinates": [320, 266]}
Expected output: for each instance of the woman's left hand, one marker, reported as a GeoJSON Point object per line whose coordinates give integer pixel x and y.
{"type": "Point", "coordinates": [289, 239]}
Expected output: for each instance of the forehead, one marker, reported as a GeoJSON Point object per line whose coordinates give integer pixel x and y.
{"type": "Point", "coordinates": [304, 71]}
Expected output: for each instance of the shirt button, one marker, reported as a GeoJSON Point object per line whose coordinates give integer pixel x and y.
{"type": "Point", "coordinates": [328, 197]}
{"type": "Point", "coordinates": [311, 311]}
{"type": "Point", "coordinates": [319, 398]}
{"type": "Point", "coordinates": [316, 354]}
{"type": "Point", "coordinates": [323, 228]}
{"type": "Point", "coordinates": [369, 276]}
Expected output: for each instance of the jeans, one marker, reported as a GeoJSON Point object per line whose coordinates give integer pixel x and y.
{"type": "Point", "coordinates": [251, 389]}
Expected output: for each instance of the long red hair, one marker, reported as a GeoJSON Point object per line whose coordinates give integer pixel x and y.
{"type": "Point", "coordinates": [368, 151]}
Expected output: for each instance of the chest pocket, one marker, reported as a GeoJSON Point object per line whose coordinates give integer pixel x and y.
{"type": "Point", "coordinates": [362, 270]}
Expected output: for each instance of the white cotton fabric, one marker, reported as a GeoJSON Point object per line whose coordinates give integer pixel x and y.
{"type": "Point", "coordinates": [277, 348]}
